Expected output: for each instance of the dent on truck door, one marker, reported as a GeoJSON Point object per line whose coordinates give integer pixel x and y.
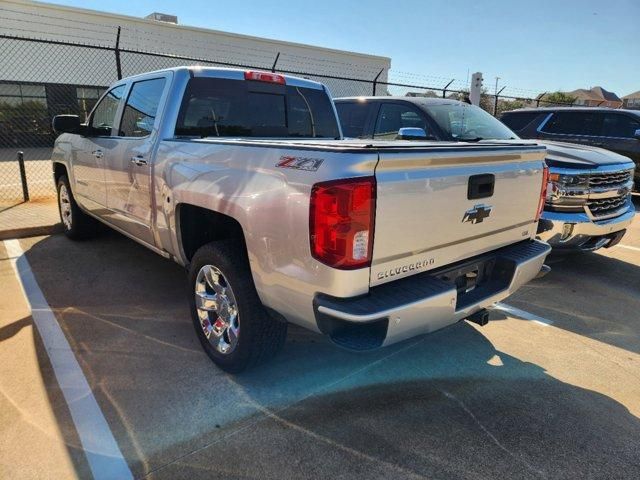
{"type": "Point", "coordinates": [92, 152]}
{"type": "Point", "coordinates": [128, 176]}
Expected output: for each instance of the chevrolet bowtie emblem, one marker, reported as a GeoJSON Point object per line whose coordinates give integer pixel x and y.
{"type": "Point", "coordinates": [477, 214]}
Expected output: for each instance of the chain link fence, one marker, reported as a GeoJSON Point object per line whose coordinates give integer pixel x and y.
{"type": "Point", "coordinates": [77, 74]}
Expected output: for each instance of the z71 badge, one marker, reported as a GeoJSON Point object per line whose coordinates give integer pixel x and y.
{"type": "Point", "coordinates": [300, 163]}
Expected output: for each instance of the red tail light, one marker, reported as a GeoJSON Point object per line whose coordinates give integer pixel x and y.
{"type": "Point", "coordinates": [341, 222]}
{"type": "Point", "coordinates": [264, 77]}
{"type": "Point", "coordinates": [543, 191]}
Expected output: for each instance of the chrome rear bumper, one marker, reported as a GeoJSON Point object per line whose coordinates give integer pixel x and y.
{"type": "Point", "coordinates": [429, 301]}
{"type": "Point", "coordinates": [577, 230]}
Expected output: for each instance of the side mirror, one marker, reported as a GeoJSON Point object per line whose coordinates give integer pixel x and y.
{"type": "Point", "coordinates": [66, 124]}
{"type": "Point", "coordinates": [637, 134]}
{"type": "Point", "coordinates": [411, 133]}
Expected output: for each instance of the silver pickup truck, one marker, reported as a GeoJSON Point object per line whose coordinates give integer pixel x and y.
{"type": "Point", "coordinates": [243, 178]}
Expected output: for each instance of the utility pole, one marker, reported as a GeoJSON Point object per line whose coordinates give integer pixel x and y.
{"type": "Point", "coordinates": [476, 88]}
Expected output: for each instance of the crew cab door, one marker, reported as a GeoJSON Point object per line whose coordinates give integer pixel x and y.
{"type": "Point", "coordinates": [93, 150]}
{"type": "Point", "coordinates": [129, 169]}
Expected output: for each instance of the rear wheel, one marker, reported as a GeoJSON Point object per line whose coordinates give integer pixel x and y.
{"type": "Point", "coordinates": [75, 222]}
{"type": "Point", "coordinates": [232, 325]}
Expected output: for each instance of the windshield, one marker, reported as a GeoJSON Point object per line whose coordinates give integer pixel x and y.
{"type": "Point", "coordinates": [218, 107]}
{"type": "Point", "coordinates": [462, 121]}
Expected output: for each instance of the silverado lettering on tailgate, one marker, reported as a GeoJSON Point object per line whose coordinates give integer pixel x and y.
{"type": "Point", "coordinates": [405, 268]}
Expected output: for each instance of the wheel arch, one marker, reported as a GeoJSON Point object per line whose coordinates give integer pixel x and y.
{"type": "Point", "coordinates": [59, 169]}
{"type": "Point", "coordinates": [197, 226]}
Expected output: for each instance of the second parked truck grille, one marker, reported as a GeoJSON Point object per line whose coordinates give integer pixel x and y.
{"type": "Point", "coordinates": [606, 180]}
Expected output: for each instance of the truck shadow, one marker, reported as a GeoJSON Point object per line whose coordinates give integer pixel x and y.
{"type": "Point", "coordinates": [448, 405]}
{"type": "Point", "coordinates": [589, 294]}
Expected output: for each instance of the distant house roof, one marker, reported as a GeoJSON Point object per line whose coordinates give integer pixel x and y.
{"type": "Point", "coordinates": [632, 95]}
{"type": "Point", "coordinates": [595, 93]}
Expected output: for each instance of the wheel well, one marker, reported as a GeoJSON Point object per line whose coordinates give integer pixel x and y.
{"type": "Point", "coordinates": [199, 226]}
{"type": "Point", "coordinates": [58, 170]}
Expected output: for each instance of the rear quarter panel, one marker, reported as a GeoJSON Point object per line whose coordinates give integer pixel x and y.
{"type": "Point", "coordinates": [272, 206]}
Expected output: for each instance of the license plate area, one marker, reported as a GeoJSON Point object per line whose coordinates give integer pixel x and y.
{"type": "Point", "coordinates": [468, 277]}
{"type": "Point", "coordinates": [477, 279]}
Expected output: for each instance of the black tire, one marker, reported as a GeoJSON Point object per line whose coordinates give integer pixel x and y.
{"type": "Point", "coordinates": [80, 225]}
{"type": "Point", "coordinates": [260, 336]}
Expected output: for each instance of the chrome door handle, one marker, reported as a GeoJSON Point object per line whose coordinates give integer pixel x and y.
{"type": "Point", "coordinates": [97, 153]}
{"type": "Point", "coordinates": [138, 160]}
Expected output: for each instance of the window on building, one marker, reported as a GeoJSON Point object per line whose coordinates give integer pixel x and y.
{"type": "Point", "coordinates": [87, 99]}
{"type": "Point", "coordinates": [16, 94]}
{"type": "Point", "coordinates": [140, 110]}
{"type": "Point", "coordinates": [24, 120]}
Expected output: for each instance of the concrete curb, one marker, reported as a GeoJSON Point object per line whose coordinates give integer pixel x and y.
{"type": "Point", "coordinates": [24, 232]}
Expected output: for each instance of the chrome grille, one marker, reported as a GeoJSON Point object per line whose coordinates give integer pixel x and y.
{"type": "Point", "coordinates": [606, 206]}
{"type": "Point", "coordinates": [609, 180]}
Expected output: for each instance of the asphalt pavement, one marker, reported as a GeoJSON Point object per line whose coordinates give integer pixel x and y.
{"type": "Point", "coordinates": [548, 389]}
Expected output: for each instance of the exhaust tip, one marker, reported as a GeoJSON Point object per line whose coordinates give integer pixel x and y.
{"type": "Point", "coordinates": [543, 271]}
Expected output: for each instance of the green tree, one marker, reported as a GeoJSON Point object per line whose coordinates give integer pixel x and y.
{"type": "Point", "coordinates": [507, 105]}
{"type": "Point", "coordinates": [558, 97]}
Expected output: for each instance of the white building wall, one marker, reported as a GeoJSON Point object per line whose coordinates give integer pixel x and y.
{"type": "Point", "coordinates": [39, 62]}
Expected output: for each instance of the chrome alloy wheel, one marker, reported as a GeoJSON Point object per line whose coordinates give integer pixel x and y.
{"type": "Point", "coordinates": [65, 207]}
{"type": "Point", "coordinates": [217, 309]}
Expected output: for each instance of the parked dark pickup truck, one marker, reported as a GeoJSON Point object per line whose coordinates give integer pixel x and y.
{"type": "Point", "coordinates": [588, 203]}
{"type": "Point", "coordinates": [615, 130]}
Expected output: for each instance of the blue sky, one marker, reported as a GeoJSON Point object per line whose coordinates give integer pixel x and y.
{"type": "Point", "coordinates": [536, 46]}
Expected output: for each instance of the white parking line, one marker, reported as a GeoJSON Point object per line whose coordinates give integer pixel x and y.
{"type": "Point", "coordinates": [516, 312]}
{"type": "Point", "coordinates": [629, 247]}
{"type": "Point", "coordinates": [103, 454]}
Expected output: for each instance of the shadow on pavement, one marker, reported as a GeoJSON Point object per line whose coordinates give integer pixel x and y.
{"type": "Point", "coordinates": [448, 405]}
{"type": "Point", "coordinates": [589, 294]}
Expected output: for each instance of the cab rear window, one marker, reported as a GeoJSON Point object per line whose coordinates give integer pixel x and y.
{"type": "Point", "coordinates": [217, 107]}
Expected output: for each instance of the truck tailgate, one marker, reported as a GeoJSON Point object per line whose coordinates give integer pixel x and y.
{"type": "Point", "coordinates": [425, 218]}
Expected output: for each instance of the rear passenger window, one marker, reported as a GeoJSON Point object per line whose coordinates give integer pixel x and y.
{"type": "Point", "coordinates": [574, 123]}
{"type": "Point", "coordinates": [353, 118]}
{"type": "Point", "coordinates": [141, 108]}
{"type": "Point", "coordinates": [618, 125]}
{"type": "Point", "coordinates": [393, 117]}
{"type": "Point", "coordinates": [517, 121]}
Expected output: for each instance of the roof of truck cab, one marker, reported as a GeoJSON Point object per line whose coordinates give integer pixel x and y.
{"type": "Point", "coordinates": [573, 109]}
{"type": "Point", "coordinates": [195, 70]}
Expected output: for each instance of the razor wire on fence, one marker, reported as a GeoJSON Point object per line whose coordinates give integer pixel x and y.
{"type": "Point", "coordinates": [44, 77]}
